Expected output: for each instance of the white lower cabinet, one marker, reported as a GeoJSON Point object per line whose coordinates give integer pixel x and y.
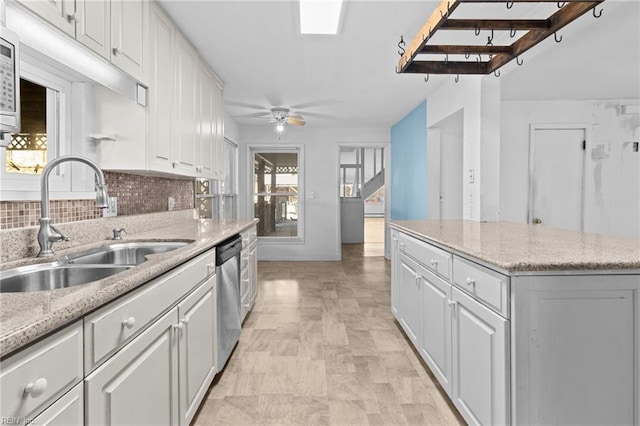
{"type": "Point", "coordinates": [395, 271]}
{"type": "Point", "coordinates": [464, 343]}
{"type": "Point", "coordinates": [138, 385]}
{"type": "Point", "coordinates": [68, 410]}
{"type": "Point", "coordinates": [435, 341]}
{"type": "Point", "coordinates": [480, 367]}
{"type": "Point", "coordinates": [197, 347]}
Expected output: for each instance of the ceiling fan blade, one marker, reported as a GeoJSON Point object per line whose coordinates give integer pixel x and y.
{"type": "Point", "coordinates": [245, 105]}
{"type": "Point", "coordinates": [295, 122]}
{"type": "Point", "coordinates": [296, 117]}
{"type": "Point", "coordinates": [253, 115]}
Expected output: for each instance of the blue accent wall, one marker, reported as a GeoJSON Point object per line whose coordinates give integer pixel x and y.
{"type": "Point", "coordinates": [409, 166]}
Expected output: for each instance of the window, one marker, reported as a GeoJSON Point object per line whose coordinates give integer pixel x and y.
{"type": "Point", "coordinates": [229, 186]}
{"type": "Point", "coordinates": [219, 199]}
{"type": "Point", "coordinates": [275, 188]}
{"type": "Point", "coordinates": [45, 121]}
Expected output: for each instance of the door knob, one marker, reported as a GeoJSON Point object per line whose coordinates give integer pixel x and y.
{"type": "Point", "coordinates": [537, 221]}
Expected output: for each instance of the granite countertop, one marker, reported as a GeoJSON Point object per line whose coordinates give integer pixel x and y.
{"type": "Point", "coordinates": [516, 247]}
{"type": "Point", "coordinates": [24, 317]}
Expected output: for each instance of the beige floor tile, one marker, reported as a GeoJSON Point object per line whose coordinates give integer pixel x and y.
{"type": "Point", "coordinates": [321, 347]}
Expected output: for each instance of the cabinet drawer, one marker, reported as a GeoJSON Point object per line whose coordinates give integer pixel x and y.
{"type": "Point", "coordinates": [249, 236]}
{"type": "Point", "coordinates": [486, 285]}
{"type": "Point", "coordinates": [107, 329]}
{"type": "Point", "coordinates": [35, 377]}
{"type": "Point", "coordinates": [68, 410]}
{"type": "Point", "coordinates": [431, 257]}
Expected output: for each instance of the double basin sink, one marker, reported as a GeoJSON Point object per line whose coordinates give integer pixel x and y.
{"type": "Point", "coordinates": [82, 267]}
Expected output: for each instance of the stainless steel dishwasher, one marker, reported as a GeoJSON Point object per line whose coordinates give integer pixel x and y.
{"type": "Point", "coordinates": [228, 293]}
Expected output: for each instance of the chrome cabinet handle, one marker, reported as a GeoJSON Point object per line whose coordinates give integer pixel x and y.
{"type": "Point", "coordinates": [72, 17]}
{"type": "Point", "coordinates": [470, 281]}
{"type": "Point", "coordinates": [434, 263]}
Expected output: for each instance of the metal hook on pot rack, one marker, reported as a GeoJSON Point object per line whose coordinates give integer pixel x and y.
{"type": "Point", "coordinates": [446, 58]}
{"type": "Point", "coordinates": [479, 58]}
{"type": "Point", "coordinates": [496, 73]}
{"type": "Point", "coordinates": [594, 12]}
{"type": "Point", "coordinates": [509, 4]}
{"type": "Point", "coordinates": [467, 54]}
{"type": "Point", "coordinates": [555, 37]}
{"type": "Point", "coordinates": [426, 79]}
{"type": "Point", "coordinates": [446, 15]}
{"type": "Point", "coordinates": [519, 61]}
{"type": "Point", "coordinates": [477, 30]}
{"type": "Point", "coordinates": [401, 43]}
{"type": "Point", "coordinates": [512, 32]}
{"type": "Point", "coordinates": [561, 4]}
{"type": "Point", "coordinates": [457, 79]}
{"type": "Point", "coordinates": [490, 39]}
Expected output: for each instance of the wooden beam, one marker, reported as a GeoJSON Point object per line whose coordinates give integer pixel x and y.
{"type": "Point", "coordinates": [451, 67]}
{"type": "Point", "coordinates": [495, 24]}
{"type": "Point", "coordinates": [442, 12]}
{"type": "Point", "coordinates": [558, 20]}
{"type": "Point", "coordinates": [455, 49]}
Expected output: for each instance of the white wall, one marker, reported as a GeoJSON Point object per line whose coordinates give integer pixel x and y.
{"type": "Point", "coordinates": [479, 99]}
{"type": "Point", "coordinates": [231, 129]}
{"type": "Point", "coordinates": [321, 160]}
{"type": "Point", "coordinates": [612, 169]}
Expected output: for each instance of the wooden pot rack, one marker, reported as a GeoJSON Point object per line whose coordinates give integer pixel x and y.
{"type": "Point", "coordinates": [441, 20]}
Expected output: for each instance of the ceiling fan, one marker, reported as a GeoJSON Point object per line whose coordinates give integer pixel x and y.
{"type": "Point", "coordinates": [282, 119]}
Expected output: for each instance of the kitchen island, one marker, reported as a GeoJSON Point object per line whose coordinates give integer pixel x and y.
{"type": "Point", "coordinates": [522, 324]}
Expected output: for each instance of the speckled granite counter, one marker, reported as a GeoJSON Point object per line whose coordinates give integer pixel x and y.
{"type": "Point", "coordinates": [24, 317]}
{"type": "Point", "coordinates": [515, 247]}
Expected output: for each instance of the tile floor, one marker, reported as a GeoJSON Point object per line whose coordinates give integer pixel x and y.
{"type": "Point", "coordinates": [321, 347]}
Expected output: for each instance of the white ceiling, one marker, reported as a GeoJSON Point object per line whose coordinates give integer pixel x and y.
{"type": "Point", "coordinates": [348, 80]}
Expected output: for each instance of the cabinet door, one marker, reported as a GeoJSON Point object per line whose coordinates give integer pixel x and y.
{"type": "Point", "coordinates": [395, 274]}
{"type": "Point", "coordinates": [480, 362]}
{"type": "Point", "coordinates": [206, 122]}
{"type": "Point", "coordinates": [253, 272]}
{"type": "Point", "coordinates": [218, 145]}
{"type": "Point", "coordinates": [138, 385]}
{"type": "Point", "coordinates": [184, 147]}
{"type": "Point", "coordinates": [68, 410]}
{"type": "Point", "coordinates": [59, 13]}
{"type": "Point", "coordinates": [93, 26]}
{"type": "Point", "coordinates": [160, 76]}
{"type": "Point", "coordinates": [129, 20]}
{"type": "Point", "coordinates": [435, 340]}
{"type": "Point", "coordinates": [410, 304]}
{"type": "Point", "coordinates": [197, 347]}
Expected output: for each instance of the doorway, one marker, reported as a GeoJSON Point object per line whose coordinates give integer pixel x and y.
{"type": "Point", "coordinates": [363, 197]}
{"type": "Point", "coordinates": [556, 176]}
{"type": "Point", "coordinates": [444, 168]}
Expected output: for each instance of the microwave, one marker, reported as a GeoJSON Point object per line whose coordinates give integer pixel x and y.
{"type": "Point", "coordinates": [10, 82]}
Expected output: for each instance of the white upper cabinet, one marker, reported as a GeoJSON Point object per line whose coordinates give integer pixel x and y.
{"type": "Point", "coordinates": [59, 13]}
{"type": "Point", "coordinates": [218, 153]}
{"type": "Point", "coordinates": [206, 122]}
{"type": "Point", "coordinates": [129, 27]}
{"type": "Point", "coordinates": [92, 20]}
{"type": "Point", "coordinates": [184, 144]}
{"type": "Point", "coordinates": [161, 92]}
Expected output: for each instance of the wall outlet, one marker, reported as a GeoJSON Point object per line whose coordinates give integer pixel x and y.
{"type": "Point", "coordinates": [472, 177]}
{"type": "Point", "coordinates": [171, 204]}
{"type": "Point", "coordinates": [112, 208]}
{"type": "Point", "coordinates": [311, 195]}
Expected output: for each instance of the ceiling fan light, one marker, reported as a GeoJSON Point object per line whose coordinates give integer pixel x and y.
{"type": "Point", "coordinates": [280, 127]}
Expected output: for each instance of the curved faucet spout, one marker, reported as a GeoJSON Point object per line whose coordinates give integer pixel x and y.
{"type": "Point", "coordinates": [47, 234]}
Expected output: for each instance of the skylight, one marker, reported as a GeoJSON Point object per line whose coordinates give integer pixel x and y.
{"type": "Point", "coordinates": [320, 16]}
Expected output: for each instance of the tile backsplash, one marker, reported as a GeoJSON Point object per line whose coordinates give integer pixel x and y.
{"type": "Point", "coordinates": [136, 195]}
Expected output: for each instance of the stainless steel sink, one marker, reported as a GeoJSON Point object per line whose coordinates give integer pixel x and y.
{"type": "Point", "coordinates": [123, 253]}
{"type": "Point", "coordinates": [51, 276]}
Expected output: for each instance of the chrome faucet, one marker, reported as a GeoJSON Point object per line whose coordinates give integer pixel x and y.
{"type": "Point", "coordinates": [117, 233]}
{"type": "Point", "coordinates": [48, 234]}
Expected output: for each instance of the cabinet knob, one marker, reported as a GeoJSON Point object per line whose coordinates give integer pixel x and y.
{"type": "Point", "coordinates": [174, 164]}
{"type": "Point", "coordinates": [470, 281]}
{"type": "Point", "coordinates": [451, 303]}
{"type": "Point", "coordinates": [115, 51]}
{"type": "Point", "coordinates": [129, 322]}
{"type": "Point", "coordinates": [185, 321]}
{"type": "Point", "coordinates": [178, 326]}
{"type": "Point", "coordinates": [72, 17]}
{"type": "Point", "coordinates": [36, 388]}
{"type": "Point", "coordinates": [434, 262]}
{"type": "Point", "coordinates": [402, 246]}
{"type": "Point", "coordinates": [211, 268]}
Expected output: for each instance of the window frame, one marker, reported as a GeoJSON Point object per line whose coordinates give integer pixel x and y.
{"type": "Point", "coordinates": [233, 193]}
{"type": "Point", "coordinates": [267, 149]}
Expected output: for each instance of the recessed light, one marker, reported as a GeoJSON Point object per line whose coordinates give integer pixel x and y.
{"type": "Point", "coordinates": [320, 16]}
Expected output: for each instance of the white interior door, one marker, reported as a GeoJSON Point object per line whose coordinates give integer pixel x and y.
{"type": "Point", "coordinates": [556, 177]}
